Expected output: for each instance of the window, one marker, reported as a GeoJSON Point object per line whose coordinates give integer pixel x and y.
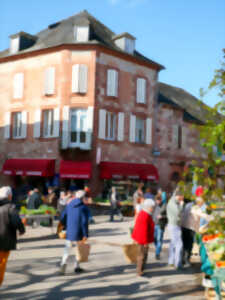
{"type": "Point", "coordinates": [110, 126]}
{"type": "Point", "coordinates": [81, 33]}
{"type": "Point", "coordinates": [48, 129]}
{"type": "Point", "coordinates": [79, 79]}
{"type": "Point", "coordinates": [78, 126]}
{"type": "Point", "coordinates": [140, 131]}
{"type": "Point", "coordinates": [112, 83]}
{"type": "Point", "coordinates": [17, 124]}
{"type": "Point", "coordinates": [141, 90]}
{"type": "Point", "coordinates": [49, 84]}
{"type": "Point", "coordinates": [18, 86]}
{"type": "Point", "coordinates": [179, 137]}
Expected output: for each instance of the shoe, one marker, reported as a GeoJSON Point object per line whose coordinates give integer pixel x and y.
{"type": "Point", "coordinates": [92, 221]}
{"type": "Point", "coordinates": [78, 270]}
{"type": "Point", "coordinates": [62, 269]}
{"type": "Point", "coordinates": [140, 273]}
{"type": "Point", "coordinates": [157, 257]}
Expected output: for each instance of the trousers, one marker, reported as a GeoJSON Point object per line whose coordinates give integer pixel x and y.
{"type": "Point", "coordinates": [176, 246]}
{"type": "Point", "coordinates": [142, 257]}
{"type": "Point", "coordinates": [158, 239]}
{"type": "Point", "coordinates": [188, 240]}
{"type": "Point", "coordinates": [3, 261]}
{"type": "Point", "coordinates": [68, 247]}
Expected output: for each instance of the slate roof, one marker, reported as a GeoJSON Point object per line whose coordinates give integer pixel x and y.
{"type": "Point", "coordinates": [62, 33]}
{"type": "Point", "coordinates": [194, 109]}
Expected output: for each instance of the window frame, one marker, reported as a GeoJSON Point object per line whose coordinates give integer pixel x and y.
{"type": "Point", "coordinates": [137, 129]}
{"type": "Point", "coordinates": [79, 113]}
{"type": "Point", "coordinates": [111, 121]}
{"type": "Point", "coordinates": [17, 129]}
{"type": "Point", "coordinates": [115, 83]}
{"type": "Point", "coordinates": [49, 123]}
{"type": "Point", "coordinates": [139, 81]}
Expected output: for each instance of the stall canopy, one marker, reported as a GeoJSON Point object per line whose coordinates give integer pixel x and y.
{"type": "Point", "coordinates": [29, 167]}
{"type": "Point", "coordinates": [117, 170]}
{"type": "Point", "coordinates": [75, 169]}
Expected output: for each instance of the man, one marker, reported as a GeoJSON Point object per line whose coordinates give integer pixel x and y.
{"type": "Point", "coordinates": [51, 198]}
{"type": "Point", "coordinates": [160, 220]}
{"type": "Point", "coordinates": [174, 214]}
{"type": "Point", "coordinates": [148, 194]}
{"type": "Point", "coordinates": [143, 234]}
{"type": "Point", "coordinates": [34, 199]}
{"type": "Point", "coordinates": [75, 219]}
{"type": "Point", "coordinates": [115, 209]}
{"type": "Point", "coordinates": [10, 222]}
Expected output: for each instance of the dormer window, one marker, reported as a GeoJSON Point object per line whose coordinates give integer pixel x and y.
{"type": "Point", "coordinates": [21, 41]}
{"type": "Point", "coordinates": [81, 33]}
{"type": "Point", "coordinates": [14, 45]}
{"type": "Point", "coordinates": [125, 42]}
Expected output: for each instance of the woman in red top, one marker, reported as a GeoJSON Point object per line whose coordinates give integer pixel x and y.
{"type": "Point", "coordinates": [143, 233]}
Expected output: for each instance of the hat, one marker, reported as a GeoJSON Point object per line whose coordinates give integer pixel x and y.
{"type": "Point", "coordinates": [80, 194]}
{"type": "Point", "coordinates": [148, 203]}
{"type": "Point", "coordinates": [5, 192]}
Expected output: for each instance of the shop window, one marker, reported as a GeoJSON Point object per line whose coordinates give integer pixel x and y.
{"type": "Point", "coordinates": [112, 83]}
{"type": "Point", "coordinates": [17, 124]}
{"type": "Point", "coordinates": [141, 90]}
{"type": "Point", "coordinates": [110, 126]}
{"type": "Point", "coordinates": [140, 130]}
{"type": "Point", "coordinates": [78, 126]}
{"type": "Point", "coordinates": [48, 128]}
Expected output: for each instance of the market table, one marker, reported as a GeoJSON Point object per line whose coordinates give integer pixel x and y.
{"type": "Point", "coordinates": [39, 218]}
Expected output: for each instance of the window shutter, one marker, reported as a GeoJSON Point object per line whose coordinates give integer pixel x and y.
{"type": "Point", "coordinates": [149, 131]}
{"type": "Point", "coordinates": [65, 127]}
{"type": "Point", "coordinates": [75, 79]}
{"type": "Point", "coordinates": [132, 128]}
{"type": "Point", "coordinates": [24, 125]}
{"type": "Point", "coordinates": [82, 33]}
{"type": "Point", "coordinates": [120, 127]}
{"type": "Point", "coordinates": [18, 85]}
{"type": "Point", "coordinates": [37, 124]}
{"type": "Point", "coordinates": [49, 81]}
{"type": "Point", "coordinates": [83, 79]}
{"type": "Point", "coordinates": [56, 124]}
{"type": "Point", "coordinates": [90, 116]}
{"type": "Point", "coordinates": [112, 83]}
{"type": "Point", "coordinates": [184, 137]}
{"type": "Point", "coordinates": [175, 136]}
{"type": "Point", "coordinates": [102, 124]}
{"type": "Point", "coordinates": [7, 125]}
{"type": "Point", "coordinates": [141, 90]}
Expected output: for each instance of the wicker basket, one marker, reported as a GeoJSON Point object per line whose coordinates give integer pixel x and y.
{"type": "Point", "coordinates": [130, 252]}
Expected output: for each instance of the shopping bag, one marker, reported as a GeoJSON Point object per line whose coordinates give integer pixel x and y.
{"type": "Point", "coordinates": [60, 231]}
{"type": "Point", "coordinates": [130, 252]}
{"type": "Point", "coordinates": [82, 251]}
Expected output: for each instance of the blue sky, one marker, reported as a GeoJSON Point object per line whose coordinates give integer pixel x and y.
{"type": "Point", "coordinates": [186, 36]}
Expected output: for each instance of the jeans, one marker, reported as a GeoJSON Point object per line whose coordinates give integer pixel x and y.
{"type": "Point", "coordinates": [115, 211]}
{"type": "Point", "coordinates": [158, 239]}
{"type": "Point", "coordinates": [176, 246]}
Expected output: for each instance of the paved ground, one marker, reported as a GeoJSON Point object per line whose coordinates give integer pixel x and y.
{"type": "Point", "coordinates": [32, 271]}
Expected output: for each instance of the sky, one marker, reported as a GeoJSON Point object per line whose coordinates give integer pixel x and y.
{"type": "Point", "coordinates": [186, 36]}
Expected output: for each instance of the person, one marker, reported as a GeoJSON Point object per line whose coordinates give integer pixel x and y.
{"type": "Point", "coordinates": [115, 206]}
{"type": "Point", "coordinates": [75, 219]}
{"type": "Point", "coordinates": [163, 195]}
{"type": "Point", "coordinates": [87, 201]}
{"type": "Point", "coordinates": [143, 234]}
{"type": "Point", "coordinates": [148, 194]}
{"type": "Point", "coordinates": [51, 198]}
{"type": "Point", "coordinates": [10, 223]}
{"type": "Point", "coordinates": [137, 195]}
{"type": "Point", "coordinates": [34, 199]}
{"type": "Point", "coordinates": [62, 201]}
{"type": "Point", "coordinates": [174, 214]}
{"type": "Point", "coordinates": [160, 220]}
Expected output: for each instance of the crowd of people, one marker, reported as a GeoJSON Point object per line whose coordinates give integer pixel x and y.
{"type": "Point", "coordinates": [152, 214]}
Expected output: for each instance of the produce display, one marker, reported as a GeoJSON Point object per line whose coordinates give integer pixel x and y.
{"type": "Point", "coordinates": [42, 210]}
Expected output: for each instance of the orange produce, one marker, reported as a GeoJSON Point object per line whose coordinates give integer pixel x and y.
{"type": "Point", "coordinates": [210, 237]}
{"type": "Point", "coordinates": [220, 264]}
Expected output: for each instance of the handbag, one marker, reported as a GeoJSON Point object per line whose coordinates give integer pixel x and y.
{"type": "Point", "coordinates": [82, 251]}
{"type": "Point", "coordinates": [130, 252]}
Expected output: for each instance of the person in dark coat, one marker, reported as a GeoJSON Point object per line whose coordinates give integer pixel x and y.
{"type": "Point", "coordinates": [115, 206]}
{"type": "Point", "coordinates": [34, 199]}
{"type": "Point", "coordinates": [143, 233]}
{"type": "Point", "coordinates": [75, 219]}
{"type": "Point", "coordinates": [10, 222]}
{"type": "Point", "coordinates": [160, 220]}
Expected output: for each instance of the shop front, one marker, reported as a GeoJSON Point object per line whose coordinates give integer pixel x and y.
{"type": "Point", "coordinates": [126, 177]}
{"type": "Point", "coordinates": [75, 175]}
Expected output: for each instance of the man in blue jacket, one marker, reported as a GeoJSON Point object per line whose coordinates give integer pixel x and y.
{"type": "Point", "coordinates": [75, 219]}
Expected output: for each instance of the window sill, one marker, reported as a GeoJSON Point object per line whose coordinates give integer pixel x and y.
{"type": "Point", "coordinates": [140, 104]}
{"type": "Point", "coordinates": [17, 138]}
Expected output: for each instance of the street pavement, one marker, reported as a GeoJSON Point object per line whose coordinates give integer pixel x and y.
{"type": "Point", "coordinates": [33, 270]}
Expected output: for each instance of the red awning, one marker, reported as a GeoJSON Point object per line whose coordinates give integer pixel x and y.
{"type": "Point", "coordinates": [29, 167]}
{"type": "Point", "coordinates": [75, 169]}
{"type": "Point", "coordinates": [119, 170]}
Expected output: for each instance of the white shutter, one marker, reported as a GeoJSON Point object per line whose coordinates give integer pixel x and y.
{"type": "Point", "coordinates": [141, 90]}
{"type": "Point", "coordinates": [49, 81]}
{"type": "Point", "coordinates": [175, 136]}
{"type": "Point", "coordinates": [7, 125]}
{"type": "Point", "coordinates": [24, 125]}
{"type": "Point", "coordinates": [132, 128]}
{"type": "Point", "coordinates": [112, 83]}
{"type": "Point", "coordinates": [120, 127]}
{"type": "Point", "coordinates": [102, 124]}
{"type": "Point", "coordinates": [82, 33]}
{"type": "Point", "coordinates": [149, 131]}
{"type": "Point", "coordinates": [56, 124]}
{"type": "Point", "coordinates": [83, 79]}
{"type": "Point", "coordinates": [18, 86]}
{"type": "Point", "coordinates": [37, 124]}
{"type": "Point", "coordinates": [75, 79]}
{"type": "Point", "coordinates": [184, 138]}
{"type": "Point", "coordinates": [90, 116]}
{"type": "Point", "coordinates": [65, 127]}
